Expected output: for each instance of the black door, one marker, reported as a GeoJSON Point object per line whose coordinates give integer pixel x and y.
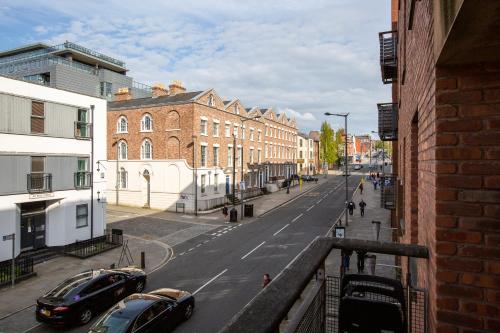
{"type": "Point", "coordinates": [39, 221]}
{"type": "Point", "coordinates": [27, 233]}
{"type": "Point", "coordinates": [32, 225]}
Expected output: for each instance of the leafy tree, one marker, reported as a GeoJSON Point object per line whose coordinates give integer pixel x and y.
{"type": "Point", "coordinates": [327, 141]}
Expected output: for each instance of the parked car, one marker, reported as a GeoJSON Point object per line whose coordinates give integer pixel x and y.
{"type": "Point", "coordinates": [309, 178]}
{"type": "Point", "coordinates": [158, 311]}
{"type": "Point", "coordinates": [294, 177]}
{"type": "Point", "coordinates": [357, 167]}
{"type": "Point", "coordinates": [79, 298]}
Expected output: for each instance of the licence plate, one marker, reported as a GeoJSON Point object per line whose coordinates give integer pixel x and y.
{"type": "Point", "coordinates": [45, 312]}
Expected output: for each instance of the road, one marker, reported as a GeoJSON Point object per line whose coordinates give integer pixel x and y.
{"type": "Point", "coordinates": [224, 267]}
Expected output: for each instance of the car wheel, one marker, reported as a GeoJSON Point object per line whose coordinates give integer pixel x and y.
{"type": "Point", "coordinates": [139, 287]}
{"type": "Point", "coordinates": [85, 316]}
{"type": "Point", "coordinates": [188, 312]}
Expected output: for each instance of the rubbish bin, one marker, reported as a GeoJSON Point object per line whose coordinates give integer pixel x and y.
{"type": "Point", "coordinates": [371, 261]}
{"type": "Point", "coordinates": [233, 215]}
{"type": "Point", "coordinates": [249, 210]}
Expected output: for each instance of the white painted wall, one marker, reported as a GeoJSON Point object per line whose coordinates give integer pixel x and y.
{"type": "Point", "coordinates": [61, 211]}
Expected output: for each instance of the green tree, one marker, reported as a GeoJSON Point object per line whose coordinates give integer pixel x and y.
{"type": "Point", "coordinates": [339, 144]}
{"type": "Point", "coordinates": [327, 141]}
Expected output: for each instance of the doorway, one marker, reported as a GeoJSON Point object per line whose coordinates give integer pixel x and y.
{"type": "Point", "coordinates": [33, 226]}
{"type": "Point", "coordinates": [146, 188]}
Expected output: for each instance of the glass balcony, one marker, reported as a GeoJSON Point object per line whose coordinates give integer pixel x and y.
{"type": "Point", "coordinates": [388, 121]}
{"type": "Point", "coordinates": [83, 180]}
{"type": "Point", "coordinates": [83, 130]}
{"type": "Point", "coordinates": [39, 182]}
{"type": "Point", "coordinates": [79, 48]}
{"type": "Point", "coordinates": [388, 56]}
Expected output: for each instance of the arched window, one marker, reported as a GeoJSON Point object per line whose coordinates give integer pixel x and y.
{"type": "Point", "coordinates": [147, 123]}
{"type": "Point", "coordinates": [122, 125]}
{"type": "Point", "coordinates": [211, 100]}
{"type": "Point", "coordinates": [146, 150]}
{"type": "Point", "coordinates": [123, 178]}
{"type": "Point", "coordinates": [122, 150]}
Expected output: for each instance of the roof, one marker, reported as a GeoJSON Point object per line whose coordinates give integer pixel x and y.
{"type": "Point", "coordinates": [314, 135]}
{"type": "Point", "coordinates": [304, 135]}
{"type": "Point", "coordinates": [263, 111]}
{"type": "Point", "coordinates": [149, 101]}
{"type": "Point", "coordinates": [133, 305]}
{"type": "Point", "coordinates": [24, 48]}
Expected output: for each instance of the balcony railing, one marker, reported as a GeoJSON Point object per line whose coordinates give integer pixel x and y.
{"type": "Point", "coordinates": [39, 182]}
{"type": "Point", "coordinates": [82, 130]}
{"type": "Point", "coordinates": [83, 179]}
{"type": "Point", "coordinates": [42, 62]}
{"type": "Point", "coordinates": [388, 121]}
{"type": "Point", "coordinates": [388, 192]}
{"type": "Point", "coordinates": [388, 56]}
{"type": "Point", "coordinates": [79, 48]}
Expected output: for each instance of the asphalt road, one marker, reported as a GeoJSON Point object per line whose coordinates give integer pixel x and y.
{"type": "Point", "coordinates": [224, 267]}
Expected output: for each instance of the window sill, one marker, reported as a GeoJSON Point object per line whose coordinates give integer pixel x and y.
{"type": "Point", "coordinates": [82, 226]}
{"type": "Point", "coordinates": [146, 131]}
{"type": "Point", "coordinates": [121, 132]}
{"type": "Point", "coordinates": [203, 134]}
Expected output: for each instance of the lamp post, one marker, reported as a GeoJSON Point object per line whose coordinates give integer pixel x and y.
{"type": "Point", "coordinates": [195, 178]}
{"type": "Point", "coordinates": [241, 161]}
{"type": "Point", "coordinates": [345, 115]}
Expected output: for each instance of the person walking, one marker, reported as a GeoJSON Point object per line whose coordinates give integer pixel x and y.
{"type": "Point", "coordinates": [347, 259]}
{"type": "Point", "coordinates": [362, 206]}
{"type": "Point", "coordinates": [375, 184]}
{"type": "Point", "coordinates": [225, 212]}
{"type": "Point", "coordinates": [361, 261]}
{"type": "Point", "coordinates": [361, 188]}
{"type": "Point", "coordinates": [266, 280]}
{"type": "Point", "coordinates": [351, 207]}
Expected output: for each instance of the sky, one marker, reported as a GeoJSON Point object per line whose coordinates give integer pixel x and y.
{"type": "Point", "coordinates": [302, 57]}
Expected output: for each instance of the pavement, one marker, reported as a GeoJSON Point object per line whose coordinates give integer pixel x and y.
{"type": "Point", "coordinates": [154, 232]}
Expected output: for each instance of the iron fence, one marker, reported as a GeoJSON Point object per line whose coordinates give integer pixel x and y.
{"type": "Point", "coordinates": [23, 268]}
{"type": "Point", "coordinates": [90, 247]}
{"type": "Point", "coordinates": [39, 182]}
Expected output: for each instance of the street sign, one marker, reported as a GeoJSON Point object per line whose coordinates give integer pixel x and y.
{"type": "Point", "coordinates": [339, 232]}
{"type": "Point", "coordinates": [8, 237]}
{"type": "Point", "coordinates": [242, 185]}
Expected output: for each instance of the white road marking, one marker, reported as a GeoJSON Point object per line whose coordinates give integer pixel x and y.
{"type": "Point", "coordinates": [209, 281]}
{"type": "Point", "coordinates": [249, 253]}
{"type": "Point", "coordinates": [277, 232]}
{"type": "Point", "coordinates": [29, 329]}
{"type": "Point", "coordinates": [298, 217]}
{"type": "Point", "coordinates": [198, 245]}
{"type": "Point", "coordinates": [308, 209]}
{"type": "Point", "coordinates": [317, 202]}
{"type": "Point", "coordinates": [191, 249]}
{"type": "Point", "coordinates": [182, 253]}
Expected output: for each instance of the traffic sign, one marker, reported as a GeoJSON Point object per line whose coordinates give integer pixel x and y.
{"type": "Point", "coordinates": [8, 237]}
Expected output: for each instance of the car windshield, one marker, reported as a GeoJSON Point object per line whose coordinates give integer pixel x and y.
{"type": "Point", "coordinates": [112, 322]}
{"type": "Point", "coordinates": [67, 286]}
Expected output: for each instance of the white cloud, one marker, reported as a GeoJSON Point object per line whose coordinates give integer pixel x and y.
{"type": "Point", "coordinates": [306, 116]}
{"type": "Point", "coordinates": [41, 29]}
{"type": "Point", "coordinates": [304, 57]}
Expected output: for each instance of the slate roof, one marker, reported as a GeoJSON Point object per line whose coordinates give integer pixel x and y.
{"type": "Point", "coordinates": [149, 101]}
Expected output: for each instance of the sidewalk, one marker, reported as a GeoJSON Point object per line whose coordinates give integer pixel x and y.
{"type": "Point", "coordinates": [361, 228]}
{"type": "Point", "coordinates": [54, 271]}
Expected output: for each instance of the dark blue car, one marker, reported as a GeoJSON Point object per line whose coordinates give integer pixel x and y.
{"type": "Point", "coordinates": [158, 311]}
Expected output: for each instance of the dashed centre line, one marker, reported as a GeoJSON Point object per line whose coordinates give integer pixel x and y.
{"type": "Point", "coordinates": [249, 253]}
{"type": "Point", "coordinates": [317, 202]}
{"type": "Point", "coordinates": [209, 281]}
{"type": "Point", "coordinates": [308, 209]}
{"type": "Point", "coordinates": [298, 217]}
{"type": "Point", "coordinates": [277, 232]}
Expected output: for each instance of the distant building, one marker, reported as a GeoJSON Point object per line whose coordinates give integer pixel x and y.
{"type": "Point", "coordinates": [48, 160]}
{"type": "Point", "coordinates": [318, 163]}
{"type": "Point", "coordinates": [71, 67]}
{"type": "Point", "coordinates": [306, 157]}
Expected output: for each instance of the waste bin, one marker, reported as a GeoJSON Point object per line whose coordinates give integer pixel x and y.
{"type": "Point", "coordinates": [233, 215]}
{"type": "Point", "coordinates": [371, 262]}
{"type": "Point", "coordinates": [249, 210]}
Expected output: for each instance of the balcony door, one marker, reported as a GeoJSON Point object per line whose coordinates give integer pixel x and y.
{"type": "Point", "coordinates": [32, 226]}
{"type": "Point", "coordinates": [82, 123]}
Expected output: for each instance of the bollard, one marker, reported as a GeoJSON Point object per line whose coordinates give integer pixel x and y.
{"type": "Point", "coordinates": [143, 260]}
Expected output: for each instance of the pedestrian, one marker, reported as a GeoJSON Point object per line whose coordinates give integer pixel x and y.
{"type": "Point", "coordinates": [225, 211]}
{"type": "Point", "coordinates": [362, 206]}
{"type": "Point", "coordinates": [375, 184]}
{"type": "Point", "coordinates": [361, 187]}
{"type": "Point", "coordinates": [351, 207]}
{"type": "Point", "coordinates": [347, 259]}
{"type": "Point", "coordinates": [361, 261]}
{"type": "Point", "coordinates": [266, 280]}
{"type": "Point", "coordinates": [378, 175]}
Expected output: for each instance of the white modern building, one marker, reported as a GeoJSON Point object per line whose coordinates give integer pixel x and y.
{"type": "Point", "coordinates": [52, 144]}
{"type": "Point", "coordinates": [305, 152]}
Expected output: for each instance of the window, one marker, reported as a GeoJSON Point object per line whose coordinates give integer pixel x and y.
{"type": "Point", "coordinates": [270, 131]}
{"type": "Point", "coordinates": [265, 151]}
{"type": "Point", "coordinates": [216, 182]}
{"type": "Point", "coordinates": [238, 161]}
{"type": "Point", "coordinates": [300, 154]}
{"type": "Point", "coordinates": [123, 177]}
{"type": "Point", "coordinates": [106, 89]}
{"type": "Point", "coordinates": [251, 155]}
{"type": "Point", "coordinates": [203, 156]}
{"type": "Point", "coordinates": [82, 177]}
{"type": "Point", "coordinates": [37, 164]}
{"type": "Point", "coordinates": [251, 134]}
{"type": "Point", "coordinates": [216, 155]}
{"type": "Point", "coordinates": [82, 213]}
{"type": "Point", "coordinates": [146, 123]}
{"type": "Point", "coordinates": [311, 155]}
{"type": "Point", "coordinates": [203, 127]}
{"type": "Point", "coordinates": [203, 183]}
{"type": "Point", "coordinates": [146, 150]}
{"type": "Point", "coordinates": [267, 130]}
{"type": "Point", "coordinates": [243, 132]}
{"type": "Point", "coordinates": [275, 132]}
{"type": "Point", "coordinates": [237, 109]}
{"type": "Point", "coordinates": [211, 100]}
{"type": "Point", "coordinates": [122, 150]}
{"type": "Point", "coordinates": [227, 130]}
{"type": "Point", "coordinates": [259, 139]}
{"type": "Point", "coordinates": [215, 129]}
{"type": "Point", "coordinates": [37, 117]}
{"type": "Point", "coordinates": [229, 156]}
{"type": "Point", "coordinates": [235, 131]}
{"type": "Point", "coordinates": [300, 142]}
{"type": "Point", "coordinates": [122, 125]}
{"type": "Point", "coordinates": [259, 156]}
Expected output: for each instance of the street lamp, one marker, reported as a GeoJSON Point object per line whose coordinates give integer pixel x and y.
{"type": "Point", "coordinates": [242, 150]}
{"type": "Point", "coordinates": [345, 115]}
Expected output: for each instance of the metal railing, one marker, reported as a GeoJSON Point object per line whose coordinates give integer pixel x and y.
{"type": "Point", "coordinates": [79, 48]}
{"type": "Point", "coordinates": [90, 247]}
{"type": "Point", "coordinates": [271, 307]}
{"type": "Point", "coordinates": [83, 130]}
{"type": "Point", "coordinates": [388, 121]}
{"type": "Point", "coordinates": [389, 56]}
{"type": "Point", "coordinates": [83, 179]}
{"type": "Point", "coordinates": [388, 191]}
{"type": "Point", "coordinates": [141, 86]}
{"type": "Point", "coordinates": [39, 182]}
{"type": "Point", "coordinates": [23, 268]}
{"type": "Point", "coordinates": [42, 62]}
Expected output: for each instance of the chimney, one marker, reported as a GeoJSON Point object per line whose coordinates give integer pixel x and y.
{"type": "Point", "coordinates": [176, 87]}
{"type": "Point", "coordinates": [123, 94]}
{"type": "Point", "coordinates": [158, 90]}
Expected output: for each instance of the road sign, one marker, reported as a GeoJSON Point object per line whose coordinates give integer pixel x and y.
{"type": "Point", "coordinates": [8, 237]}
{"type": "Point", "coordinates": [339, 232]}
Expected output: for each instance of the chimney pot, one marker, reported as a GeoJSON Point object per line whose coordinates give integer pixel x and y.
{"type": "Point", "coordinates": [158, 90]}
{"type": "Point", "coordinates": [123, 94]}
{"type": "Point", "coordinates": [176, 87]}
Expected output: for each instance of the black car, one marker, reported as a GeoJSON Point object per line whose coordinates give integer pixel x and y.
{"type": "Point", "coordinates": [78, 299]}
{"type": "Point", "coordinates": [158, 311]}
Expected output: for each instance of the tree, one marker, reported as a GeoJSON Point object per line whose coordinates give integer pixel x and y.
{"type": "Point", "coordinates": [339, 144]}
{"type": "Point", "coordinates": [327, 141]}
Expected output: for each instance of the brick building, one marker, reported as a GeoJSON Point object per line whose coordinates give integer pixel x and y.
{"type": "Point", "coordinates": [443, 61]}
{"type": "Point", "coordinates": [157, 140]}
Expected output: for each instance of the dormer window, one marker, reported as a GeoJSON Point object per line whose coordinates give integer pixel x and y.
{"type": "Point", "coordinates": [146, 123]}
{"type": "Point", "coordinates": [122, 125]}
{"type": "Point", "coordinates": [211, 100]}
{"type": "Point", "coordinates": [237, 109]}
